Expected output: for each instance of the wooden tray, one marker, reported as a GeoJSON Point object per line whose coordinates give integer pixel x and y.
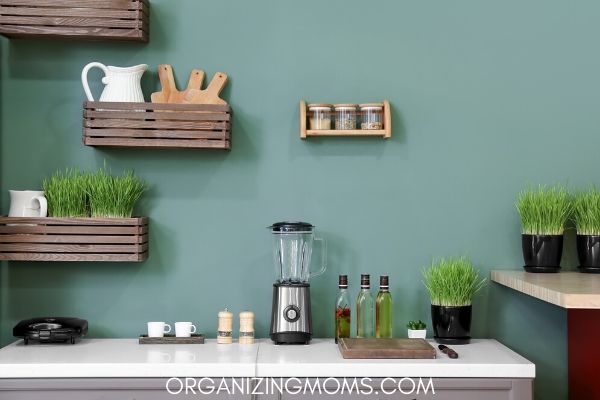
{"type": "Point", "coordinates": [385, 133]}
{"type": "Point", "coordinates": [196, 338]}
{"type": "Point", "coordinates": [159, 125]}
{"type": "Point", "coordinates": [76, 19]}
{"type": "Point", "coordinates": [385, 348]}
{"type": "Point", "coordinates": [73, 239]}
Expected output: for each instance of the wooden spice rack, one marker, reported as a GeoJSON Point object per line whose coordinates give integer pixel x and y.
{"type": "Point", "coordinates": [76, 19]}
{"type": "Point", "coordinates": [386, 132]}
{"type": "Point", "coordinates": [73, 239]}
{"type": "Point", "coordinates": [158, 125]}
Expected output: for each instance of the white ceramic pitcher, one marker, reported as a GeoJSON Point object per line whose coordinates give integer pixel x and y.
{"type": "Point", "coordinates": [122, 84]}
{"type": "Point", "coordinates": [27, 203]}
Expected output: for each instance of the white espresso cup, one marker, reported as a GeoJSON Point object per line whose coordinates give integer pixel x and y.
{"type": "Point", "coordinates": [27, 203]}
{"type": "Point", "coordinates": [158, 329]}
{"type": "Point", "coordinates": [184, 329]}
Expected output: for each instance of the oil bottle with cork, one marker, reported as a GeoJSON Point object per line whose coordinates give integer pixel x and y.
{"type": "Point", "coordinates": [342, 310]}
{"type": "Point", "coordinates": [383, 309]}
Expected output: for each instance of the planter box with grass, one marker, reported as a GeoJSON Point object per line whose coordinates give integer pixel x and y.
{"type": "Point", "coordinates": [90, 220]}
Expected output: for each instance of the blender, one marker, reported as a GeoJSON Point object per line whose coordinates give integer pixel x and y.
{"type": "Point", "coordinates": [291, 321]}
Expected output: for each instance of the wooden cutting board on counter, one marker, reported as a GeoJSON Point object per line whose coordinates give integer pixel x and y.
{"type": "Point", "coordinates": [385, 348]}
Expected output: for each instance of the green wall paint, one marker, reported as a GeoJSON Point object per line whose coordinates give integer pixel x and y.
{"type": "Point", "coordinates": [487, 97]}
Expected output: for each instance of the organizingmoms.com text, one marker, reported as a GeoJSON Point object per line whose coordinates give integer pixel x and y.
{"type": "Point", "coordinates": [296, 386]}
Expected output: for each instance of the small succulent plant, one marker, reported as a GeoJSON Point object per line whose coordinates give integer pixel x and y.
{"type": "Point", "coordinates": [416, 325]}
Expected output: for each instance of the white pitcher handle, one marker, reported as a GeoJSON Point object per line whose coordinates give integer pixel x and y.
{"type": "Point", "coordinates": [43, 205]}
{"type": "Point", "coordinates": [84, 80]}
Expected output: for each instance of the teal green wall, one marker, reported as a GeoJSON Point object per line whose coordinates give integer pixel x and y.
{"type": "Point", "coordinates": [487, 97]}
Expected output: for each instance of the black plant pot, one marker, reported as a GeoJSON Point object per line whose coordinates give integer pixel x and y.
{"type": "Point", "coordinates": [542, 253]}
{"type": "Point", "coordinates": [451, 325]}
{"type": "Point", "coordinates": [588, 251]}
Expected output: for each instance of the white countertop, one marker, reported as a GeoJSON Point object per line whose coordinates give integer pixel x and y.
{"type": "Point", "coordinates": [482, 358]}
{"type": "Point", "coordinates": [125, 358]}
{"type": "Point", "coordinates": [103, 358]}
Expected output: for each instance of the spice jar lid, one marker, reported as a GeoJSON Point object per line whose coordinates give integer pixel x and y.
{"type": "Point", "coordinates": [348, 106]}
{"type": "Point", "coordinates": [319, 106]}
{"type": "Point", "coordinates": [371, 105]}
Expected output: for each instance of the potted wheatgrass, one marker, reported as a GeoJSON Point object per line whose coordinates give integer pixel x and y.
{"type": "Point", "coordinates": [586, 216]}
{"type": "Point", "coordinates": [452, 284]}
{"type": "Point", "coordinates": [544, 212]}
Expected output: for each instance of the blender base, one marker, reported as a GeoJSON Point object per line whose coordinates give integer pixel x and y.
{"type": "Point", "coordinates": [291, 315]}
{"type": "Point", "coordinates": [291, 337]}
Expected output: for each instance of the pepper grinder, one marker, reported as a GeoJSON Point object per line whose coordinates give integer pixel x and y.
{"type": "Point", "coordinates": [246, 327]}
{"type": "Point", "coordinates": [225, 329]}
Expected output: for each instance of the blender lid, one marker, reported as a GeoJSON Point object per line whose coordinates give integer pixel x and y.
{"type": "Point", "coordinates": [284, 227]}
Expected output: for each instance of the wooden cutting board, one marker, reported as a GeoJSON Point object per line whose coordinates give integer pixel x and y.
{"type": "Point", "coordinates": [169, 92]}
{"type": "Point", "coordinates": [210, 95]}
{"type": "Point", "coordinates": [385, 348]}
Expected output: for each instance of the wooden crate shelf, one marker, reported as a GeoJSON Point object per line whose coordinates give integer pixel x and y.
{"type": "Point", "coordinates": [76, 19]}
{"type": "Point", "coordinates": [385, 133]}
{"type": "Point", "coordinates": [74, 239]}
{"type": "Point", "coordinates": [158, 125]}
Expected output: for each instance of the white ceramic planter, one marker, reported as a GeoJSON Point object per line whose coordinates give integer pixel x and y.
{"type": "Point", "coordinates": [417, 333]}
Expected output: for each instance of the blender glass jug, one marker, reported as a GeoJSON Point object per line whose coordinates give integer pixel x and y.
{"type": "Point", "coordinates": [292, 250]}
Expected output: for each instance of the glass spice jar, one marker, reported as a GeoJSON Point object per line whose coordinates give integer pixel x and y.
{"type": "Point", "coordinates": [319, 116]}
{"type": "Point", "coordinates": [345, 116]}
{"type": "Point", "coordinates": [371, 116]}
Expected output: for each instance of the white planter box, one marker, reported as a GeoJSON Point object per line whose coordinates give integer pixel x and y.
{"type": "Point", "coordinates": [417, 333]}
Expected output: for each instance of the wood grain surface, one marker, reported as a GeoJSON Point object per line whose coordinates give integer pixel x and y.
{"type": "Point", "coordinates": [76, 19]}
{"type": "Point", "coordinates": [198, 126]}
{"type": "Point", "coordinates": [565, 289]}
{"type": "Point", "coordinates": [385, 133]}
{"type": "Point", "coordinates": [73, 239]}
{"type": "Point", "coordinates": [386, 348]}
{"type": "Point", "coordinates": [196, 338]}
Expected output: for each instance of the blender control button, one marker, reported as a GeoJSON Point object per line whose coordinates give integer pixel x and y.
{"type": "Point", "coordinates": [291, 313]}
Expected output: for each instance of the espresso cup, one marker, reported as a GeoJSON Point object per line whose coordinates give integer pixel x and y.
{"type": "Point", "coordinates": [158, 329]}
{"type": "Point", "coordinates": [27, 203]}
{"type": "Point", "coordinates": [184, 329]}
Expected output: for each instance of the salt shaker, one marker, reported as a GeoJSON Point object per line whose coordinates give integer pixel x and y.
{"type": "Point", "coordinates": [225, 329]}
{"type": "Point", "coordinates": [246, 327]}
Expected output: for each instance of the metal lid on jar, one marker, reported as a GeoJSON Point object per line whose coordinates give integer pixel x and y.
{"type": "Point", "coordinates": [291, 227]}
{"type": "Point", "coordinates": [319, 106]}
{"type": "Point", "coordinates": [378, 106]}
{"type": "Point", "coordinates": [345, 106]}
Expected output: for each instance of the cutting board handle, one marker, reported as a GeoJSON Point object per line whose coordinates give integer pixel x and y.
{"type": "Point", "coordinates": [217, 84]}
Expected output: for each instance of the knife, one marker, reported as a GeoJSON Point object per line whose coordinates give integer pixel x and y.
{"type": "Point", "coordinates": [448, 351]}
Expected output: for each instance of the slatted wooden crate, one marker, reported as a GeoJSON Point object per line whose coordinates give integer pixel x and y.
{"type": "Point", "coordinates": [76, 19]}
{"type": "Point", "coordinates": [193, 126]}
{"type": "Point", "coordinates": [73, 239]}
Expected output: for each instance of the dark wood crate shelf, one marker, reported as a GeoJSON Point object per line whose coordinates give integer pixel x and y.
{"type": "Point", "coordinates": [158, 125]}
{"type": "Point", "coordinates": [76, 19]}
{"type": "Point", "coordinates": [73, 239]}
